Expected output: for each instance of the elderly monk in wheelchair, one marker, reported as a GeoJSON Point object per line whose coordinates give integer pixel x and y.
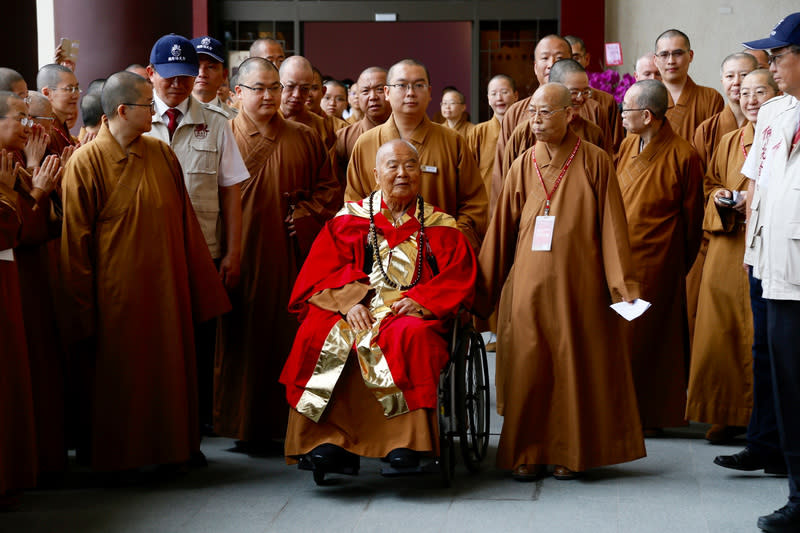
{"type": "Point", "coordinates": [374, 298]}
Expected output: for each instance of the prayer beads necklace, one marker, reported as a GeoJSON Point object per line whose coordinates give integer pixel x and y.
{"type": "Point", "coordinates": [373, 237]}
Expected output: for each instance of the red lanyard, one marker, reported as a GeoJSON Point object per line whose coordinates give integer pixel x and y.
{"type": "Point", "coordinates": [68, 139]}
{"type": "Point", "coordinates": [741, 143]}
{"type": "Point", "coordinates": [550, 194]}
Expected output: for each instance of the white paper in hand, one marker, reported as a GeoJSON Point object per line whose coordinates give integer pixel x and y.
{"type": "Point", "coordinates": [7, 255]}
{"type": "Point", "coordinates": [632, 310]}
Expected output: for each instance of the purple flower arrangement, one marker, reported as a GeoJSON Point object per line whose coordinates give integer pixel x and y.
{"type": "Point", "coordinates": [611, 82]}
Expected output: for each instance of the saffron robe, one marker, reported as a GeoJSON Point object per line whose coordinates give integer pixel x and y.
{"type": "Point", "coordinates": [290, 167]}
{"type": "Point", "coordinates": [710, 132]}
{"type": "Point", "coordinates": [463, 127]}
{"type": "Point", "coordinates": [139, 275]}
{"type": "Point", "coordinates": [400, 357]}
{"type": "Point", "coordinates": [450, 177]}
{"type": "Point", "coordinates": [564, 386]}
{"type": "Point", "coordinates": [721, 372]}
{"type": "Point", "coordinates": [609, 104]}
{"type": "Point", "coordinates": [345, 141]}
{"type": "Point", "coordinates": [696, 104]}
{"type": "Point", "coordinates": [18, 464]}
{"type": "Point", "coordinates": [662, 190]}
{"type": "Point", "coordinates": [482, 140]}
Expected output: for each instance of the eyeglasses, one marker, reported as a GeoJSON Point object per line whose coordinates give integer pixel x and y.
{"type": "Point", "coordinates": [290, 87]}
{"type": "Point", "coordinates": [677, 54]}
{"type": "Point", "coordinates": [151, 105]}
{"type": "Point", "coordinates": [544, 113]}
{"type": "Point", "coordinates": [71, 89]}
{"type": "Point", "coordinates": [340, 99]}
{"type": "Point", "coordinates": [259, 91]}
{"type": "Point", "coordinates": [25, 120]}
{"type": "Point", "coordinates": [417, 87]}
{"type": "Point", "coordinates": [773, 59]}
{"type": "Point", "coordinates": [378, 89]}
{"type": "Point", "coordinates": [501, 92]}
{"type": "Point", "coordinates": [586, 93]}
{"type": "Point", "coordinates": [760, 93]}
{"type": "Point", "coordinates": [635, 109]}
{"type": "Point", "coordinates": [448, 103]}
{"type": "Point", "coordinates": [42, 118]}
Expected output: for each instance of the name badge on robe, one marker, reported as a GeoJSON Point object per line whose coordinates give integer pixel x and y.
{"type": "Point", "coordinates": [430, 169]}
{"type": "Point", "coordinates": [7, 255]}
{"type": "Point", "coordinates": [543, 233]}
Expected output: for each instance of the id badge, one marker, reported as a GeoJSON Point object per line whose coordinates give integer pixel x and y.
{"type": "Point", "coordinates": [543, 233]}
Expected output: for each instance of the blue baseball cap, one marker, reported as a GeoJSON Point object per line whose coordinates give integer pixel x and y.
{"type": "Point", "coordinates": [210, 47]}
{"type": "Point", "coordinates": [785, 33]}
{"type": "Point", "coordinates": [173, 55]}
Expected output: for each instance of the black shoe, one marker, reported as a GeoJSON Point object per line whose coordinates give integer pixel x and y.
{"type": "Point", "coordinates": [331, 458]}
{"type": "Point", "coordinates": [748, 461]}
{"type": "Point", "coordinates": [403, 458]}
{"type": "Point", "coordinates": [786, 519]}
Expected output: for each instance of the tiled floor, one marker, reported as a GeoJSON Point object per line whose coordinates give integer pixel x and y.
{"type": "Point", "coordinates": [676, 488]}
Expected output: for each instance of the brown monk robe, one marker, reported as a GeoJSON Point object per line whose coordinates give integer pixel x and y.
{"type": "Point", "coordinates": [548, 50]}
{"type": "Point", "coordinates": [565, 387]}
{"type": "Point", "coordinates": [721, 372]}
{"type": "Point", "coordinates": [297, 77]}
{"type": "Point", "coordinates": [18, 464]}
{"type": "Point", "coordinates": [710, 132]}
{"type": "Point", "coordinates": [139, 274]}
{"type": "Point", "coordinates": [60, 86]}
{"type": "Point", "coordinates": [371, 98]}
{"type": "Point", "coordinates": [450, 177]}
{"type": "Point", "coordinates": [696, 104]}
{"type": "Point", "coordinates": [661, 186]}
{"type": "Point", "coordinates": [290, 174]}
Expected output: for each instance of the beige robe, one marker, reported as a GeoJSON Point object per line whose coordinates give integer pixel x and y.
{"type": "Point", "coordinates": [662, 191]}
{"type": "Point", "coordinates": [450, 177]}
{"type": "Point", "coordinates": [345, 141]}
{"type": "Point", "coordinates": [710, 132]}
{"type": "Point", "coordinates": [611, 108]}
{"type": "Point", "coordinates": [139, 276]}
{"type": "Point", "coordinates": [564, 386]}
{"type": "Point", "coordinates": [721, 372]}
{"type": "Point", "coordinates": [482, 140]}
{"type": "Point", "coordinates": [696, 104]}
{"type": "Point", "coordinates": [463, 127]}
{"type": "Point", "coordinates": [255, 338]}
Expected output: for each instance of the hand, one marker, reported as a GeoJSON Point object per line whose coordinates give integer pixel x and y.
{"type": "Point", "coordinates": [722, 193]}
{"type": "Point", "coordinates": [48, 176]}
{"type": "Point", "coordinates": [359, 317]}
{"type": "Point", "coordinates": [407, 306]}
{"type": "Point", "coordinates": [229, 271]}
{"type": "Point", "coordinates": [61, 59]}
{"type": "Point", "coordinates": [741, 205]}
{"type": "Point", "coordinates": [89, 137]}
{"type": "Point", "coordinates": [8, 169]}
{"type": "Point", "coordinates": [66, 153]}
{"type": "Point", "coordinates": [289, 220]}
{"type": "Point", "coordinates": [36, 146]}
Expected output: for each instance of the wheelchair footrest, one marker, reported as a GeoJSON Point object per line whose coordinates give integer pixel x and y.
{"type": "Point", "coordinates": [431, 467]}
{"type": "Point", "coordinates": [304, 463]}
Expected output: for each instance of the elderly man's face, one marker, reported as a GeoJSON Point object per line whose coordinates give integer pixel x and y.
{"type": "Point", "coordinates": [64, 97]}
{"type": "Point", "coordinates": [398, 174]}
{"type": "Point", "coordinates": [785, 68]}
{"type": "Point", "coordinates": [371, 96]}
{"type": "Point", "coordinates": [754, 92]}
{"type": "Point", "coordinates": [646, 69]}
{"type": "Point", "coordinates": [547, 52]}
{"type": "Point", "coordinates": [633, 117]}
{"type": "Point", "coordinates": [172, 91]}
{"type": "Point", "coordinates": [733, 72]}
{"type": "Point", "coordinates": [296, 80]}
{"type": "Point", "coordinates": [548, 116]}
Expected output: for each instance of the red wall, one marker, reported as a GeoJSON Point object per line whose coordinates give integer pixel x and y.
{"type": "Point", "coordinates": [587, 20]}
{"type": "Point", "coordinates": [344, 49]}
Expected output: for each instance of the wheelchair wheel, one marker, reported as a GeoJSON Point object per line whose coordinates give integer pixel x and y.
{"type": "Point", "coordinates": [447, 423]}
{"type": "Point", "coordinates": [471, 385]}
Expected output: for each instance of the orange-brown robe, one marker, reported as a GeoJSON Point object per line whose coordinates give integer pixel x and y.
{"type": "Point", "coordinates": [323, 128]}
{"type": "Point", "coordinates": [382, 412]}
{"type": "Point", "coordinates": [696, 104]}
{"type": "Point", "coordinates": [335, 123]}
{"type": "Point", "coordinates": [139, 275]}
{"type": "Point", "coordinates": [45, 351]}
{"type": "Point", "coordinates": [345, 141]}
{"type": "Point", "coordinates": [611, 108]}
{"type": "Point", "coordinates": [462, 127]}
{"type": "Point", "coordinates": [721, 372]}
{"type": "Point", "coordinates": [482, 140]}
{"type": "Point", "coordinates": [18, 468]}
{"type": "Point", "coordinates": [450, 177]}
{"type": "Point", "coordinates": [662, 190]}
{"type": "Point", "coordinates": [290, 167]}
{"type": "Point", "coordinates": [60, 138]}
{"type": "Point", "coordinates": [564, 385]}
{"type": "Point", "coordinates": [710, 132]}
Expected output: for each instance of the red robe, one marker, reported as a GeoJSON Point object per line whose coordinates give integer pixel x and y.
{"type": "Point", "coordinates": [414, 349]}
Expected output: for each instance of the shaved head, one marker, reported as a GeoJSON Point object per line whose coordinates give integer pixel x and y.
{"type": "Point", "coordinates": [766, 75]}
{"type": "Point", "coordinates": [136, 68]}
{"type": "Point", "coordinates": [11, 80]}
{"type": "Point", "coordinates": [556, 93]}
{"type": "Point", "coordinates": [268, 49]}
{"type": "Point", "coordinates": [96, 86]}
{"type": "Point", "coordinates": [372, 70]}
{"type": "Point", "coordinates": [652, 95]}
{"type": "Point", "coordinates": [761, 56]}
{"type": "Point", "coordinates": [40, 106]}
{"type": "Point", "coordinates": [508, 79]}
{"type": "Point", "coordinates": [6, 97]}
{"type": "Point", "coordinates": [91, 110]}
{"type": "Point", "coordinates": [674, 33]}
{"type": "Point", "coordinates": [407, 63]}
{"type": "Point", "coordinates": [553, 38]}
{"type": "Point", "coordinates": [389, 148]}
{"type": "Point", "coordinates": [251, 65]}
{"type": "Point", "coordinates": [741, 56]}
{"type": "Point", "coordinates": [121, 88]}
{"type": "Point", "coordinates": [564, 67]}
{"type": "Point", "coordinates": [50, 75]}
{"type": "Point", "coordinates": [296, 62]}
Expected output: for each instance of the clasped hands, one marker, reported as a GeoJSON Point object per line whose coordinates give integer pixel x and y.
{"type": "Point", "coordinates": [359, 316]}
{"type": "Point", "coordinates": [725, 193]}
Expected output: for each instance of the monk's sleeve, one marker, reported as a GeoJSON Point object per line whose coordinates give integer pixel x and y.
{"type": "Point", "coordinates": [358, 187]}
{"type": "Point", "coordinates": [499, 247]}
{"type": "Point", "coordinates": [617, 261]}
{"type": "Point", "coordinates": [498, 172]}
{"type": "Point", "coordinates": [699, 143]}
{"type": "Point", "coordinates": [325, 194]}
{"type": "Point", "coordinates": [77, 258]}
{"type": "Point", "coordinates": [716, 219]}
{"type": "Point", "coordinates": [473, 204]}
{"type": "Point", "coordinates": [692, 208]}
{"type": "Point", "coordinates": [9, 219]}
{"type": "Point", "coordinates": [35, 218]}
{"type": "Point", "coordinates": [209, 298]}
{"type": "Point", "coordinates": [454, 286]}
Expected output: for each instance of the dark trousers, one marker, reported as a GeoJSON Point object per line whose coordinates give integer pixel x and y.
{"type": "Point", "coordinates": [205, 339]}
{"type": "Point", "coordinates": [783, 334]}
{"type": "Point", "coordinates": [762, 431]}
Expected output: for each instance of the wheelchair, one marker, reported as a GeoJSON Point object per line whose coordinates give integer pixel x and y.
{"type": "Point", "coordinates": [463, 408]}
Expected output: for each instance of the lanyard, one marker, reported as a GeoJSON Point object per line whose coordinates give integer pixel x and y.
{"type": "Point", "coordinates": [550, 194]}
{"type": "Point", "coordinates": [741, 143]}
